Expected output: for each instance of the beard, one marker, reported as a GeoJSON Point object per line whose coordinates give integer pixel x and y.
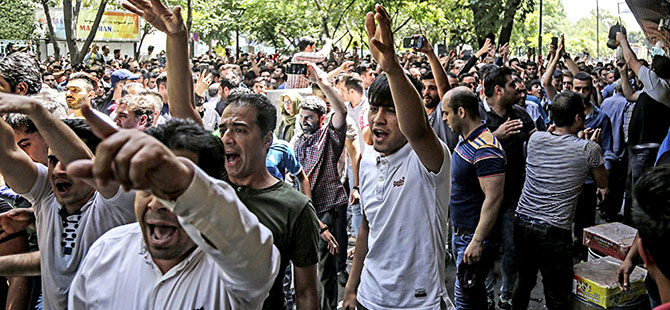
{"type": "Point", "coordinates": [433, 103]}
{"type": "Point", "coordinates": [309, 128]}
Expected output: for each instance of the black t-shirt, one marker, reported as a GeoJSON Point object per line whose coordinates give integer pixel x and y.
{"type": "Point", "coordinates": [515, 169]}
{"type": "Point", "coordinates": [649, 122]}
{"type": "Point", "coordinates": [292, 220]}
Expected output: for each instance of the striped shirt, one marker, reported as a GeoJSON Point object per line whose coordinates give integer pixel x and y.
{"type": "Point", "coordinates": [477, 156]}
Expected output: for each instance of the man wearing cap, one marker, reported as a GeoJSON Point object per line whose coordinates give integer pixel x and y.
{"type": "Point", "coordinates": [118, 79]}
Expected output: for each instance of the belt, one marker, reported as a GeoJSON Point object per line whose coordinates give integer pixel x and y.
{"type": "Point", "coordinates": [462, 231]}
{"type": "Point", "coordinates": [644, 146]}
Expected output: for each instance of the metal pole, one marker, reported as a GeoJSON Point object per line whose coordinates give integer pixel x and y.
{"type": "Point", "coordinates": [597, 29]}
{"type": "Point", "coordinates": [539, 37]}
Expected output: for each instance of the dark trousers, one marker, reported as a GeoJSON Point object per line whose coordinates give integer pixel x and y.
{"type": "Point", "coordinates": [617, 187]}
{"type": "Point", "coordinates": [585, 216]}
{"type": "Point", "coordinates": [547, 249]}
{"type": "Point", "coordinates": [327, 267]}
{"type": "Point", "coordinates": [639, 161]}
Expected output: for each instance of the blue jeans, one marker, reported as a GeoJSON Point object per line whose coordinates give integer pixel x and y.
{"type": "Point", "coordinates": [548, 249]}
{"type": "Point", "coordinates": [504, 231]}
{"type": "Point", "coordinates": [475, 298]}
{"type": "Point", "coordinates": [356, 212]}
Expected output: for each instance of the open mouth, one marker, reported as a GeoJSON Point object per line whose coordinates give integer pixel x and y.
{"type": "Point", "coordinates": [232, 158]}
{"type": "Point", "coordinates": [379, 134]}
{"type": "Point", "coordinates": [63, 186]}
{"type": "Point", "coordinates": [160, 234]}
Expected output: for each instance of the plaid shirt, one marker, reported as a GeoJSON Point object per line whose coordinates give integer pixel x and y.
{"type": "Point", "coordinates": [318, 154]}
{"type": "Point", "coordinates": [297, 80]}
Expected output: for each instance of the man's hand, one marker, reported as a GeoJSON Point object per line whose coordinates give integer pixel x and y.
{"type": "Point", "coordinates": [156, 14]}
{"type": "Point", "coordinates": [485, 49]}
{"type": "Point", "coordinates": [473, 253]}
{"type": "Point", "coordinates": [508, 128]}
{"type": "Point", "coordinates": [314, 74]}
{"type": "Point", "coordinates": [602, 193]}
{"type": "Point", "coordinates": [15, 221]}
{"type": "Point", "coordinates": [332, 242]}
{"type": "Point", "coordinates": [355, 197]}
{"type": "Point", "coordinates": [380, 37]}
{"type": "Point", "coordinates": [623, 274]}
{"type": "Point", "coordinates": [349, 300]}
{"type": "Point", "coordinates": [426, 47]}
{"type": "Point", "coordinates": [621, 38]}
{"type": "Point", "coordinates": [202, 84]}
{"type": "Point", "coordinates": [504, 50]}
{"type": "Point", "coordinates": [10, 103]}
{"type": "Point", "coordinates": [346, 66]}
{"type": "Point", "coordinates": [134, 159]}
{"type": "Point", "coordinates": [561, 46]}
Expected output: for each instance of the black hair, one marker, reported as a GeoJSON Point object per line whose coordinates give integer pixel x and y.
{"type": "Point", "coordinates": [487, 68]}
{"type": "Point", "coordinates": [266, 113]}
{"type": "Point", "coordinates": [363, 67]}
{"type": "Point", "coordinates": [651, 215]}
{"type": "Point", "coordinates": [583, 76]}
{"type": "Point", "coordinates": [187, 135]}
{"type": "Point", "coordinates": [427, 76]}
{"type": "Point", "coordinates": [353, 81]}
{"type": "Point", "coordinates": [379, 93]}
{"type": "Point", "coordinates": [230, 80]}
{"type": "Point", "coordinates": [161, 80]}
{"type": "Point", "coordinates": [463, 97]}
{"type": "Point", "coordinates": [531, 83]}
{"type": "Point", "coordinates": [661, 66]}
{"type": "Point", "coordinates": [496, 77]}
{"type": "Point", "coordinates": [565, 106]}
{"type": "Point", "coordinates": [150, 48]}
{"type": "Point", "coordinates": [84, 132]}
{"type": "Point", "coordinates": [305, 42]}
{"type": "Point", "coordinates": [86, 77]}
{"type": "Point", "coordinates": [20, 67]}
{"type": "Point", "coordinates": [314, 104]}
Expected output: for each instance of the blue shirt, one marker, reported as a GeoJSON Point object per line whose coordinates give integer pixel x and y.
{"type": "Point", "coordinates": [281, 155]}
{"type": "Point", "coordinates": [598, 119]}
{"type": "Point", "coordinates": [615, 107]}
{"type": "Point", "coordinates": [479, 155]}
{"type": "Point", "coordinates": [665, 148]}
{"type": "Point", "coordinates": [608, 91]}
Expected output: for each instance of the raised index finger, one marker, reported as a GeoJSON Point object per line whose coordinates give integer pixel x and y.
{"type": "Point", "coordinates": [99, 127]}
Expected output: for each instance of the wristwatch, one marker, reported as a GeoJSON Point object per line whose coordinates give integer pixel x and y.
{"type": "Point", "coordinates": [322, 230]}
{"type": "Point", "coordinates": [566, 55]}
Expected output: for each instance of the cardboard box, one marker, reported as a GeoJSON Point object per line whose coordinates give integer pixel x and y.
{"type": "Point", "coordinates": [613, 239]}
{"type": "Point", "coordinates": [595, 281]}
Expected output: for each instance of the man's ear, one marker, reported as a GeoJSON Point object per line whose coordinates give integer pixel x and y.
{"type": "Point", "coordinates": [648, 260]}
{"type": "Point", "coordinates": [21, 88]}
{"type": "Point", "coordinates": [461, 112]}
{"type": "Point", "coordinates": [267, 140]}
{"type": "Point", "coordinates": [142, 120]}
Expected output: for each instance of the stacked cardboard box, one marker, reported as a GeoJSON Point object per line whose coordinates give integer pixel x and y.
{"type": "Point", "coordinates": [613, 239]}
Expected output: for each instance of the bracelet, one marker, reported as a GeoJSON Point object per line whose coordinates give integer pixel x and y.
{"type": "Point", "coordinates": [322, 230]}
{"type": "Point", "coordinates": [355, 188]}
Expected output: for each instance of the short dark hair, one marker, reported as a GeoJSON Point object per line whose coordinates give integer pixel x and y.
{"type": "Point", "coordinates": [565, 106]}
{"type": "Point", "coordinates": [84, 132]}
{"type": "Point", "coordinates": [229, 80]}
{"type": "Point", "coordinates": [20, 67]}
{"type": "Point", "coordinates": [487, 68]}
{"type": "Point", "coordinates": [305, 42]}
{"type": "Point", "coordinates": [118, 50]}
{"type": "Point", "coordinates": [353, 81]}
{"type": "Point", "coordinates": [187, 135]}
{"type": "Point", "coordinates": [161, 80]}
{"type": "Point", "coordinates": [363, 67]}
{"type": "Point", "coordinates": [661, 66]}
{"type": "Point", "coordinates": [496, 77]}
{"type": "Point", "coordinates": [314, 104]}
{"type": "Point", "coordinates": [531, 83]}
{"type": "Point", "coordinates": [463, 97]}
{"type": "Point", "coordinates": [379, 93]}
{"type": "Point", "coordinates": [86, 77]}
{"type": "Point", "coordinates": [150, 48]}
{"type": "Point", "coordinates": [583, 76]}
{"type": "Point", "coordinates": [266, 113]}
{"type": "Point", "coordinates": [651, 214]}
{"type": "Point", "coordinates": [427, 76]}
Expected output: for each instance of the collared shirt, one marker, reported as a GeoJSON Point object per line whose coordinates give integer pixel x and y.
{"type": "Point", "coordinates": [608, 91]}
{"type": "Point", "coordinates": [58, 264]}
{"type": "Point", "coordinates": [359, 115]}
{"type": "Point", "coordinates": [599, 120]}
{"type": "Point", "coordinates": [318, 154]}
{"type": "Point", "coordinates": [650, 118]}
{"type": "Point", "coordinates": [615, 107]}
{"type": "Point", "coordinates": [232, 267]}
{"type": "Point", "coordinates": [406, 207]}
{"type": "Point", "coordinates": [514, 145]}
{"type": "Point", "coordinates": [479, 155]}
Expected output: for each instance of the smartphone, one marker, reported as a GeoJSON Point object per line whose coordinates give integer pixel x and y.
{"type": "Point", "coordinates": [554, 41]}
{"type": "Point", "coordinates": [467, 54]}
{"type": "Point", "coordinates": [412, 42]}
{"type": "Point", "coordinates": [204, 68]}
{"type": "Point", "coordinates": [296, 68]}
{"type": "Point", "coordinates": [441, 49]}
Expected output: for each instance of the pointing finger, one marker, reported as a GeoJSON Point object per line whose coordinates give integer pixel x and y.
{"type": "Point", "coordinates": [99, 127]}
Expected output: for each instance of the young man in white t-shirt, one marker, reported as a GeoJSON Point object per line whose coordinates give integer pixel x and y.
{"type": "Point", "coordinates": [69, 213]}
{"type": "Point", "coordinates": [405, 185]}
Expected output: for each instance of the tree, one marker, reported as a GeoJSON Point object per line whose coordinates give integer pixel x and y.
{"type": "Point", "coordinates": [554, 23]}
{"type": "Point", "coordinates": [70, 16]}
{"type": "Point", "coordinates": [487, 16]}
{"type": "Point", "coordinates": [16, 20]}
{"type": "Point", "coordinates": [50, 26]}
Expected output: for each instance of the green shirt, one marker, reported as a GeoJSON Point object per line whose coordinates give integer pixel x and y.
{"type": "Point", "coordinates": [291, 217]}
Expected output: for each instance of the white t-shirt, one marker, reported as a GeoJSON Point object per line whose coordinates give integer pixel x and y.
{"type": "Point", "coordinates": [97, 216]}
{"type": "Point", "coordinates": [406, 207]}
{"type": "Point", "coordinates": [656, 87]}
{"type": "Point", "coordinates": [233, 268]}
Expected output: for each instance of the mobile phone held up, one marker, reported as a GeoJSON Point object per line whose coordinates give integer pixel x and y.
{"type": "Point", "coordinates": [412, 42]}
{"type": "Point", "coordinates": [296, 68]}
{"type": "Point", "coordinates": [554, 42]}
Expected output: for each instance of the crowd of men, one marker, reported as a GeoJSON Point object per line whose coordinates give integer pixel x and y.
{"type": "Point", "coordinates": [175, 183]}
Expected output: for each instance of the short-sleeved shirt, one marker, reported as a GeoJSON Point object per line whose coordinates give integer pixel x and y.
{"type": "Point", "coordinates": [291, 218]}
{"type": "Point", "coordinates": [479, 155]}
{"type": "Point", "coordinates": [62, 247]}
{"type": "Point", "coordinates": [281, 156]}
{"type": "Point", "coordinates": [319, 155]}
{"type": "Point", "coordinates": [514, 145]}
{"type": "Point", "coordinates": [556, 168]}
{"type": "Point", "coordinates": [650, 117]}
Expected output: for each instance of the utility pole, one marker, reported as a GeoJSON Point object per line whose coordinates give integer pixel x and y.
{"type": "Point", "coordinates": [539, 37]}
{"type": "Point", "coordinates": [597, 29]}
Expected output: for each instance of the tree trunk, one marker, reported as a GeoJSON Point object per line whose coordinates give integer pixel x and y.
{"type": "Point", "coordinates": [145, 31]}
{"type": "Point", "coordinates": [508, 22]}
{"type": "Point", "coordinates": [94, 29]}
{"type": "Point", "coordinates": [52, 34]}
{"type": "Point", "coordinates": [69, 31]}
{"type": "Point", "coordinates": [189, 23]}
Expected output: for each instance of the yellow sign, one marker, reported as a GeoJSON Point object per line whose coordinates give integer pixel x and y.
{"type": "Point", "coordinates": [113, 25]}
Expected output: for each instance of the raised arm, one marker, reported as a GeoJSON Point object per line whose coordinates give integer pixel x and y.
{"type": "Point", "coordinates": [19, 171]}
{"type": "Point", "coordinates": [180, 79]}
{"type": "Point", "coordinates": [628, 54]}
{"type": "Point", "coordinates": [438, 71]}
{"type": "Point", "coordinates": [317, 76]}
{"type": "Point", "coordinates": [62, 141]}
{"type": "Point", "coordinates": [546, 78]}
{"type": "Point", "coordinates": [627, 89]}
{"type": "Point", "coordinates": [409, 108]}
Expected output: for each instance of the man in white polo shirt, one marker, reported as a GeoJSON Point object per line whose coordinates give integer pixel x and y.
{"type": "Point", "coordinates": [405, 184]}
